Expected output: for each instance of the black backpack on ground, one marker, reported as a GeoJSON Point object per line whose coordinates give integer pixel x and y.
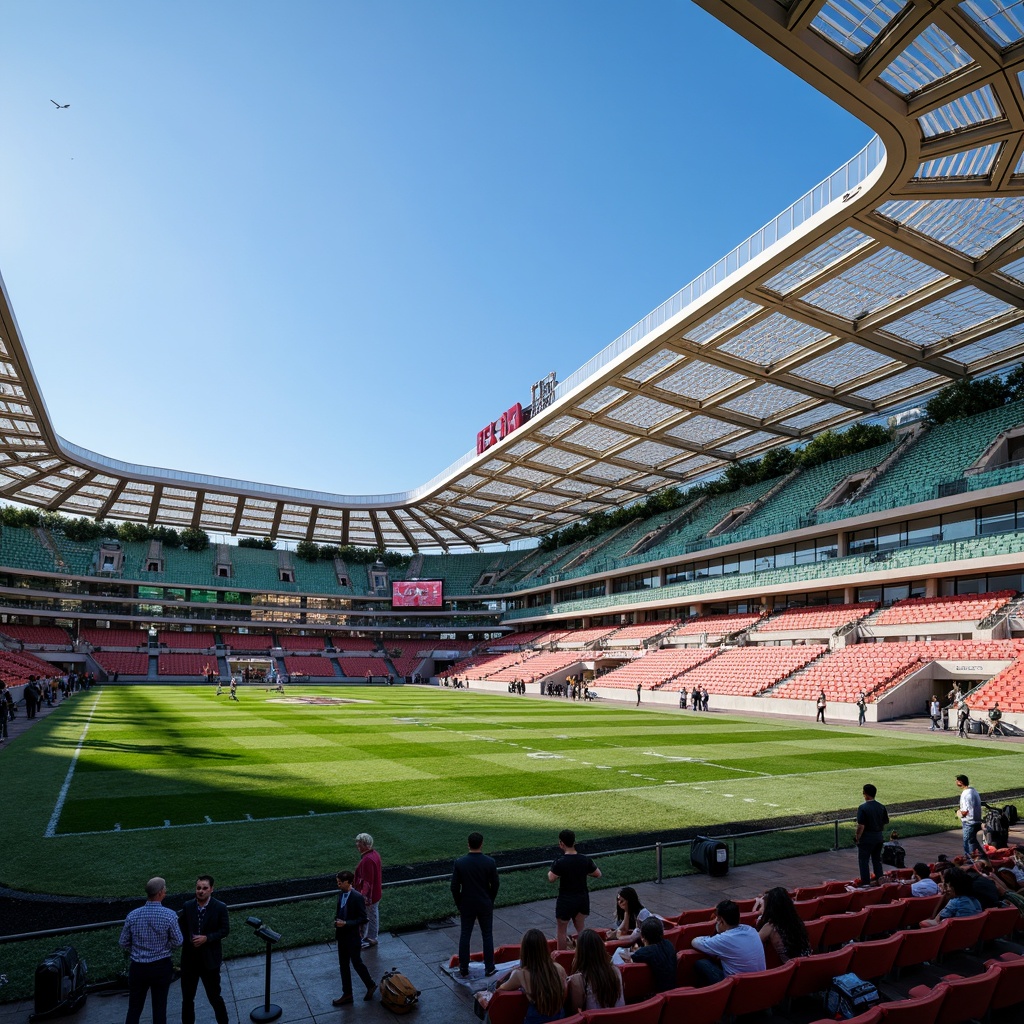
{"type": "Point", "coordinates": [997, 827]}
{"type": "Point", "coordinates": [60, 983]}
{"type": "Point", "coordinates": [1010, 810]}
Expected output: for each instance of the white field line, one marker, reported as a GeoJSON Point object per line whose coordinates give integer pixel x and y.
{"type": "Point", "coordinates": [51, 828]}
{"type": "Point", "coordinates": [426, 808]}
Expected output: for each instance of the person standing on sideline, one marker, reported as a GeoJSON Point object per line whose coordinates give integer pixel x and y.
{"type": "Point", "coordinates": [862, 708]}
{"type": "Point", "coordinates": [474, 887]}
{"type": "Point", "coordinates": [149, 935]}
{"type": "Point", "coordinates": [820, 705]}
{"type": "Point", "coordinates": [935, 713]}
{"type": "Point", "coordinates": [205, 921]}
{"type": "Point", "coordinates": [349, 917]}
{"type": "Point", "coordinates": [970, 816]}
{"type": "Point", "coordinates": [368, 878]}
{"type": "Point", "coordinates": [872, 817]}
{"type": "Point", "coordinates": [571, 870]}
{"type": "Point", "coordinates": [963, 719]}
{"type": "Point", "coordinates": [995, 716]}
{"type": "Point", "coordinates": [639, 687]}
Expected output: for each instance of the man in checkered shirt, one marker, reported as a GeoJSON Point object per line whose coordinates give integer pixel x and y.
{"type": "Point", "coordinates": [149, 935]}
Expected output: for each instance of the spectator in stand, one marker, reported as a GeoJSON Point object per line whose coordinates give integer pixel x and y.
{"type": "Point", "coordinates": [594, 984]}
{"type": "Point", "coordinates": [1011, 879]}
{"type": "Point", "coordinates": [984, 888]}
{"type": "Point", "coordinates": [924, 884]}
{"type": "Point", "coordinates": [571, 870]}
{"type": "Point", "coordinates": [539, 978]}
{"type": "Point", "coordinates": [368, 877]}
{"type": "Point", "coordinates": [630, 913]}
{"type": "Point", "coordinates": [658, 953]}
{"type": "Point", "coordinates": [872, 817]}
{"type": "Point", "coordinates": [956, 888]}
{"type": "Point", "coordinates": [735, 948]}
{"type": "Point", "coordinates": [779, 925]}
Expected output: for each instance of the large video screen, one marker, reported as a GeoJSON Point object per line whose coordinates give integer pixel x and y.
{"type": "Point", "coordinates": [417, 594]}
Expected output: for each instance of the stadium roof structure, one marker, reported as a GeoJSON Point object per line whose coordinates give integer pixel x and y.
{"type": "Point", "coordinates": [901, 272]}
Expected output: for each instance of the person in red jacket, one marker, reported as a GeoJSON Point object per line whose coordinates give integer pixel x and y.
{"type": "Point", "coordinates": [368, 884]}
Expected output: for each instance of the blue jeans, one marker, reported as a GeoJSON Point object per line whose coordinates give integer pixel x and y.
{"type": "Point", "coordinates": [707, 972]}
{"type": "Point", "coordinates": [971, 839]}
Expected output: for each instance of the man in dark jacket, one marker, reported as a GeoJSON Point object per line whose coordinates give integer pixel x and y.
{"type": "Point", "coordinates": [204, 923]}
{"type": "Point", "coordinates": [474, 887]}
{"type": "Point", "coordinates": [349, 919]}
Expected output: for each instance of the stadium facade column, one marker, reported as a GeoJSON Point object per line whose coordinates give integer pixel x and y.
{"type": "Point", "coordinates": [849, 595]}
{"type": "Point", "coordinates": [931, 587]}
{"type": "Point", "coordinates": [842, 549]}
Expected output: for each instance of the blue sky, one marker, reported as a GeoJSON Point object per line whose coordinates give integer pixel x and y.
{"type": "Point", "coordinates": [321, 244]}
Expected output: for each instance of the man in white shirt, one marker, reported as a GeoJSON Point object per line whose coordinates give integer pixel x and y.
{"type": "Point", "coordinates": [970, 816]}
{"type": "Point", "coordinates": [935, 713]}
{"type": "Point", "coordinates": [736, 948]}
{"type": "Point", "coordinates": [923, 884]}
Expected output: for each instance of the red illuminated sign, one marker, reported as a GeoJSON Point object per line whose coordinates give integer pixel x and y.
{"type": "Point", "coordinates": [510, 420]}
{"type": "Point", "coordinates": [416, 594]}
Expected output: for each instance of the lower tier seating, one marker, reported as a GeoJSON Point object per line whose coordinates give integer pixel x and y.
{"type": "Point", "coordinates": [186, 664]}
{"type": "Point", "coordinates": [124, 662]}
{"type": "Point", "coordinates": [655, 668]}
{"type": "Point", "coordinates": [309, 665]}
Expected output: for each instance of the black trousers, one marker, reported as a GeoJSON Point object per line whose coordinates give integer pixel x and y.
{"type": "Point", "coordinates": [143, 978]}
{"type": "Point", "coordinates": [191, 975]}
{"type": "Point", "coordinates": [350, 956]}
{"type": "Point", "coordinates": [469, 916]}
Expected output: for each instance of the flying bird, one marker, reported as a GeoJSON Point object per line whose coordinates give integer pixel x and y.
{"type": "Point", "coordinates": [60, 106]}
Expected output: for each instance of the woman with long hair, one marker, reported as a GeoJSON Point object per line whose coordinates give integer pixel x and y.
{"type": "Point", "coordinates": [595, 983]}
{"type": "Point", "coordinates": [630, 913]}
{"type": "Point", "coordinates": [780, 926]}
{"type": "Point", "coordinates": [539, 978]}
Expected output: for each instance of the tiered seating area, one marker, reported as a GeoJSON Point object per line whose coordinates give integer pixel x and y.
{"type": "Point", "coordinates": [76, 555]}
{"type": "Point", "coordinates": [16, 667]}
{"type": "Point", "coordinates": [478, 667]}
{"type": "Point", "coordinates": [578, 638]}
{"type": "Point", "coordinates": [540, 665]}
{"type": "Point", "coordinates": [968, 608]}
{"type": "Point", "coordinates": [356, 668]}
{"type": "Point", "coordinates": [248, 641]}
{"type": "Point", "coordinates": [459, 572]}
{"type": "Point", "coordinates": [819, 618]}
{"type": "Point", "coordinates": [1007, 688]}
{"type": "Point", "coordinates": [38, 636]}
{"type": "Point", "coordinates": [309, 665]}
{"type": "Point", "coordinates": [535, 636]}
{"type": "Point", "coordinates": [717, 626]}
{"type": "Point", "coordinates": [125, 663]}
{"type": "Point", "coordinates": [181, 641]}
{"type": "Point", "coordinates": [186, 664]}
{"type": "Point", "coordinates": [353, 643]}
{"type": "Point", "coordinates": [409, 660]}
{"type": "Point", "coordinates": [876, 668]}
{"type": "Point", "coordinates": [746, 671]}
{"type": "Point", "coordinates": [109, 638]}
{"type": "Point", "coordinates": [291, 642]}
{"type": "Point", "coordinates": [656, 668]}
{"type": "Point", "coordinates": [21, 547]}
{"type": "Point", "coordinates": [635, 635]}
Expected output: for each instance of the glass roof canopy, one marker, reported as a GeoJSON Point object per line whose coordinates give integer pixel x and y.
{"type": "Point", "coordinates": [902, 271]}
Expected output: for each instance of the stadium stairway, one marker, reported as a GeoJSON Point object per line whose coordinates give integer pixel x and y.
{"type": "Point", "coordinates": [154, 663]}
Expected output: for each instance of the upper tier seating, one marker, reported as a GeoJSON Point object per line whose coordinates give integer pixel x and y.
{"type": "Point", "coordinates": [717, 625]}
{"type": "Point", "coordinates": [533, 636]}
{"type": "Point", "coordinates": [124, 663]}
{"type": "Point", "coordinates": [353, 643]}
{"type": "Point", "coordinates": [968, 608]}
{"type": "Point", "coordinates": [38, 636]}
{"type": "Point", "coordinates": [178, 640]}
{"type": "Point", "coordinates": [876, 668]}
{"type": "Point", "coordinates": [292, 642]}
{"type": "Point", "coordinates": [746, 671]}
{"type": "Point", "coordinates": [108, 638]}
{"type": "Point", "coordinates": [656, 667]}
{"type": "Point", "coordinates": [584, 637]}
{"type": "Point", "coordinates": [186, 664]}
{"type": "Point", "coordinates": [19, 546]}
{"type": "Point", "coordinates": [309, 665]}
{"type": "Point", "coordinates": [356, 668]}
{"type": "Point", "coordinates": [248, 641]}
{"type": "Point", "coordinates": [633, 636]}
{"type": "Point", "coordinates": [460, 573]}
{"type": "Point", "coordinates": [824, 617]}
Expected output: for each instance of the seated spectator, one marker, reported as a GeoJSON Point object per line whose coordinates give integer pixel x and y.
{"type": "Point", "coordinates": [956, 887]}
{"type": "Point", "coordinates": [736, 948]}
{"type": "Point", "coordinates": [630, 913]}
{"type": "Point", "coordinates": [657, 952]}
{"type": "Point", "coordinates": [1011, 879]}
{"type": "Point", "coordinates": [983, 887]}
{"type": "Point", "coordinates": [780, 926]}
{"type": "Point", "coordinates": [539, 978]}
{"type": "Point", "coordinates": [594, 983]}
{"type": "Point", "coordinates": [923, 884]}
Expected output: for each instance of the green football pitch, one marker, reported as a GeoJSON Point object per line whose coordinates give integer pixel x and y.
{"type": "Point", "coordinates": [127, 782]}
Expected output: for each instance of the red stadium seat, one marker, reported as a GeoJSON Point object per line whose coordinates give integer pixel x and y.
{"type": "Point", "coordinates": [921, 1010]}
{"type": "Point", "coordinates": [872, 1016]}
{"type": "Point", "coordinates": [866, 898]}
{"type": "Point", "coordinates": [919, 908]}
{"type": "Point", "coordinates": [758, 991]}
{"type": "Point", "coordinates": [815, 973]}
{"type": "Point", "coordinates": [507, 1007]}
{"type": "Point", "coordinates": [684, 966]}
{"type": "Point", "coordinates": [647, 1012]}
{"type": "Point", "coordinates": [961, 933]}
{"type": "Point", "coordinates": [815, 930]}
{"type": "Point", "coordinates": [1000, 923]}
{"type": "Point", "coordinates": [919, 946]}
{"type": "Point", "coordinates": [637, 982]}
{"type": "Point", "coordinates": [874, 959]}
{"type": "Point", "coordinates": [697, 1005]}
{"type": "Point", "coordinates": [835, 903]}
{"type": "Point", "coordinates": [884, 918]}
{"type": "Point", "coordinates": [966, 998]}
{"type": "Point", "coordinates": [694, 916]}
{"type": "Point", "coordinates": [689, 932]}
{"type": "Point", "coordinates": [807, 910]}
{"type": "Point", "coordinates": [1010, 990]}
{"type": "Point", "coordinates": [840, 928]}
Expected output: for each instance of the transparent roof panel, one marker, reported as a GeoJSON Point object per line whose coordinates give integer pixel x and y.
{"type": "Point", "coordinates": [701, 430]}
{"type": "Point", "coordinates": [1002, 21]}
{"type": "Point", "coordinates": [972, 163]}
{"type": "Point", "coordinates": [699, 380]}
{"type": "Point", "coordinates": [968, 226]}
{"type": "Point", "coordinates": [1014, 271]}
{"type": "Point", "coordinates": [651, 453]}
{"type": "Point", "coordinates": [819, 414]}
{"type": "Point", "coordinates": [931, 57]}
{"type": "Point", "coordinates": [600, 399]}
{"type": "Point", "coordinates": [942, 318]}
{"type": "Point", "coordinates": [594, 437]}
{"type": "Point", "coordinates": [978, 107]}
{"type": "Point", "coordinates": [853, 25]}
{"type": "Point", "coordinates": [764, 401]}
{"type": "Point", "coordinates": [995, 344]}
{"type": "Point", "coordinates": [722, 321]}
{"type": "Point", "coordinates": [652, 365]}
{"type": "Point", "coordinates": [848, 240]}
{"type": "Point", "coordinates": [771, 339]}
{"type": "Point", "coordinates": [642, 411]}
{"type": "Point", "coordinates": [846, 363]}
{"type": "Point", "coordinates": [871, 285]}
{"type": "Point", "coordinates": [891, 385]}
{"type": "Point", "coordinates": [745, 444]}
